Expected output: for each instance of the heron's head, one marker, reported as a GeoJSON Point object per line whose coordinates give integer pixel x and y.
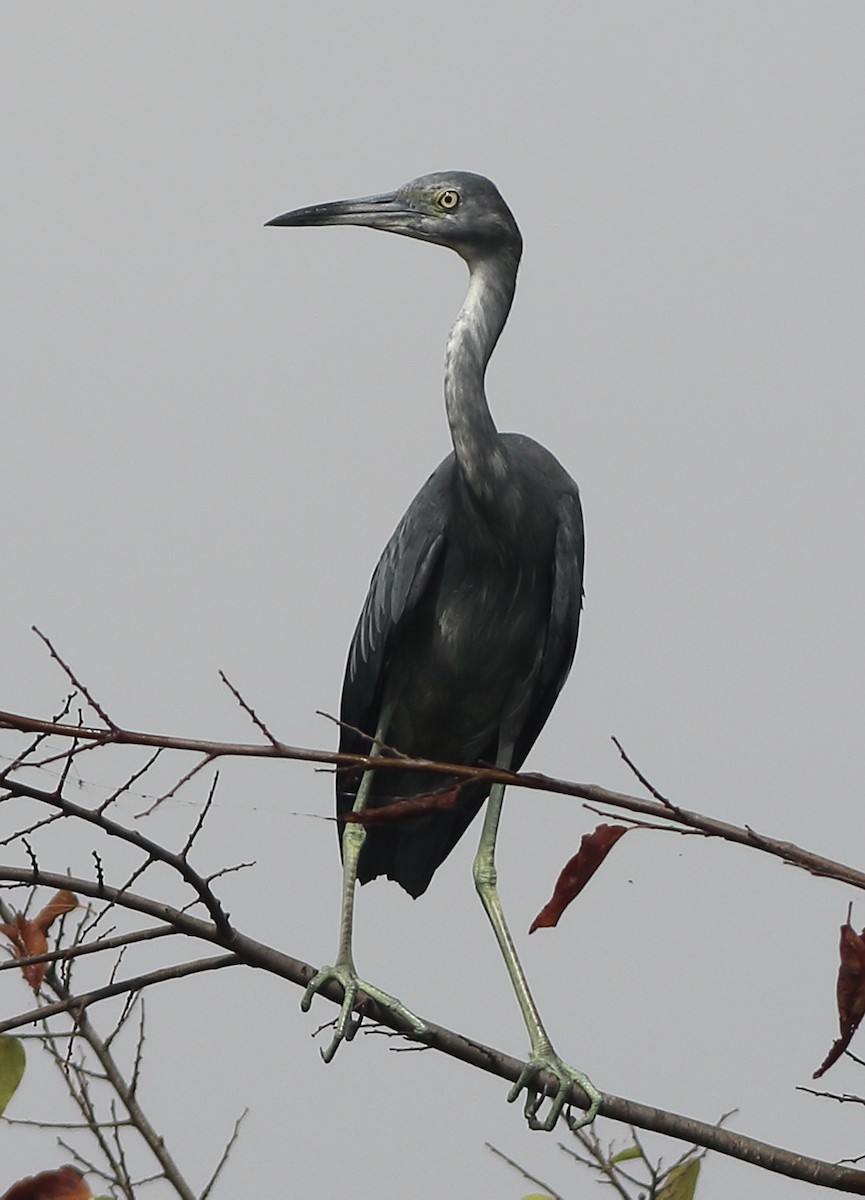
{"type": "Point", "coordinates": [457, 209]}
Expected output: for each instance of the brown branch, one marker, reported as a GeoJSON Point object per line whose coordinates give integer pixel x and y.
{"type": "Point", "coordinates": [77, 1004]}
{"type": "Point", "coordinates": [475, 1054]}
{"type": "Point", "coordinates": [175, 787]}
{"type": "Point", "coordinates": [76, 683]}
{"type": "Point", "coordinates": [64, 953]}
{"type": "Point", "coordinates": [224, 1157]}
{"type": "Point", "coordinates": [153, 850]}
{"type": "Point", "coordinates": [248, 709]}
{"type": "Point", "coordinates": [667, 811]}
{"type": "Point", "coordinates": [650, 787]}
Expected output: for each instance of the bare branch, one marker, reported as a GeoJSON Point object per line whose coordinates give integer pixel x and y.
{"type": "Point", "coordinates": [218, 930]}
{"type": "Point", "coordinates": [77, 1004]}
{"type": "Point", "coordinates": [64, 953]}
{"type": "Point", "coordinates": [667, 811]}
{"type": "Point", "coordinates": [128, 784]}
{"type": "Point", "coordinates": [175, 788]}
{"type": "Point", "coordinates": [202, 817]}
{"type": "Point", "coordinates": [64, 666]}
{"type": "Point", "coordinates": [642, 778]}
{"type": "Point", "coordinates": [78, 1126]}
{"type": "Point", "coordinates": [841, 1097]}
{"type": "Point", "coordinates": [152, 849]}
{"type": "Point", "coordinates": [223, 1159]}
{"type": "Point", "coordinates": [554, 1195]}
{"type": "Point", "coordinates": [248, 709]}
{"type": "Point", "coordinates": [475, 1054]}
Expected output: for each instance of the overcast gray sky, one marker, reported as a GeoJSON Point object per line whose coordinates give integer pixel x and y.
{"type": "Point", "coordinates": [210, 429]}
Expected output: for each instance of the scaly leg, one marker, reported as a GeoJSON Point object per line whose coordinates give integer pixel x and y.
{"type": "Point", "coordinates": [343, 970]}
{"type": "Point", "coordinates": [543, 1056]}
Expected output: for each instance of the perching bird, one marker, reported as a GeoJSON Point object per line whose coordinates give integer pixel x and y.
{"type": "Point", "coordinates": [470, 624]}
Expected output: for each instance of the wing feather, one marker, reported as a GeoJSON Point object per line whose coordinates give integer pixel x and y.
{"type": "Point", "coordinates": [398, 583]}
{"type": "Point", "coordinates": [566, 602]}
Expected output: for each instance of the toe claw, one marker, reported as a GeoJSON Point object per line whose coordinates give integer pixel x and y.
{"type": "Point", "coordinates": [559, 1103]}
{"type": "Point", "coordinates": [348, 1022]}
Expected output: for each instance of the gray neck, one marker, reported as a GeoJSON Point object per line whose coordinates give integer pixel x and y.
{"type": "Point", "coordinates": [479, 454]}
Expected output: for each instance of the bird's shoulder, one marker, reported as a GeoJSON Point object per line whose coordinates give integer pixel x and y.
{"type": "Point", "coordinates": [531, 456]}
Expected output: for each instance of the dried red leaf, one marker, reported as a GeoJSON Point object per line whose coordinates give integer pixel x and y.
{"type": "Point", "coordinates": [401, 810]}
{"type": "Point", "coordinates": [63, 1184]}
{"type": "Point", "coordinates": [850, 993]}
{"type": "Point", "coordinates": [29, 935]}
{"type": "Point", "coordinates": [576, 873]}
{"type": "Point", "coordinates": [62, 903]}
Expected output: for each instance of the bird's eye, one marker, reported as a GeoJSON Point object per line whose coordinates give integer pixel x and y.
{"type": "Point", "coordinates": [448, 200]}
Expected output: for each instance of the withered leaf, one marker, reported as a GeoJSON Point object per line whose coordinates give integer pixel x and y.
{"type": "Point", "coordinates": [66, 1183]}
{"type": "Point", "coordinates": [850, 993]}
{"type": "Point", "coordinates": [401, 810]}
{"type": "Point", "coordinates": [576, 873]}
{"type": "Point", "coordinates": [28, 935]}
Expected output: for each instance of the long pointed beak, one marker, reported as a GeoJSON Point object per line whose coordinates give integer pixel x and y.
{"type": "Point", "coordinates": [385, 211]}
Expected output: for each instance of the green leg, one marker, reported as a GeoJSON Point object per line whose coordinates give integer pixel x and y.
{"type": "Point", "coordinates": [343, 970]}
{"type": "Point", "coordinates": [543, 1057]}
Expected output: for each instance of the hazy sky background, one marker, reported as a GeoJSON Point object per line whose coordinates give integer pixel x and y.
{"type": "Point", "coordinates": [210, 429]}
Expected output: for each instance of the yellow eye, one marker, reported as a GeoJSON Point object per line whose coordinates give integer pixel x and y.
{"type": "Point", "coordinates": [448, 200]}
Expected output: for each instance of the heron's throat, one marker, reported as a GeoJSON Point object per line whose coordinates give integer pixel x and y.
{"type": "Point", "coordinates": [472, 340]}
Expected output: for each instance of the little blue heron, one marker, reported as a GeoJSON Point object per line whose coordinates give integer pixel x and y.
{"type": "Point", "coordinates": [470, 624]}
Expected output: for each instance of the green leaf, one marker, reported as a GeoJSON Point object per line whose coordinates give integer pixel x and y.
{"type": "Point", "coordinates": [681, 1182]}
{"type": "Point", "coordinates": [625, 1155]}
{"type": "Point", "coordinates": [538, 1196]}
{"type": "Point", "coordinates": [12, 1061]}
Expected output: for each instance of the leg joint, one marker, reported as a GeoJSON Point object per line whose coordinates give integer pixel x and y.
{"type": "Point", "coordinates": [484, 873]}
{"type": "Point", "coordinates": [353, 838]}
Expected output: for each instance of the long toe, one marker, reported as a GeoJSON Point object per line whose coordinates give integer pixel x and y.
{"type": "Point", "coordinates": [348, 1021]}
{"type": "Point", "coordinates": [560, 1103]}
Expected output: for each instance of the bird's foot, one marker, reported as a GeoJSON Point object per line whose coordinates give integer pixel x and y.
{"type": "Point", "coordinates": [348, 1022]}
{"type": "Point", "coordinates": [548, 1060]}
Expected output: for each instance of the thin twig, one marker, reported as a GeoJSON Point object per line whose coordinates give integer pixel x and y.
{"type": "Point", "coordinates": [77, 1004]}
{"type": "Point", "coordinates": [229, 1146]}
{"type": "Point", "coordinates": [842, 1098]}
{"type": "Point", "coordinates": [383, 747]}
{"type": "Point", "coordinates": [554, 1195]}
{"type": "Point", "coordinates": [76, 683]}
{"type": "Point", "coordinates": [133, 779]}
{"type": "Point", "coordinates": [175, 788]}
{"type": "Point", "coordinates": [650, 787]}
{"type": "Point", "coordinates": [147, 846]}
{"type": "Point", "coordinates": [202, 817]}
{"type": "Point", "coordinates": [248, 709]}
{"type": "Point", "coordinates": [72, 1126]}
{"type": "Point", "coordinates": [64, 953]}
